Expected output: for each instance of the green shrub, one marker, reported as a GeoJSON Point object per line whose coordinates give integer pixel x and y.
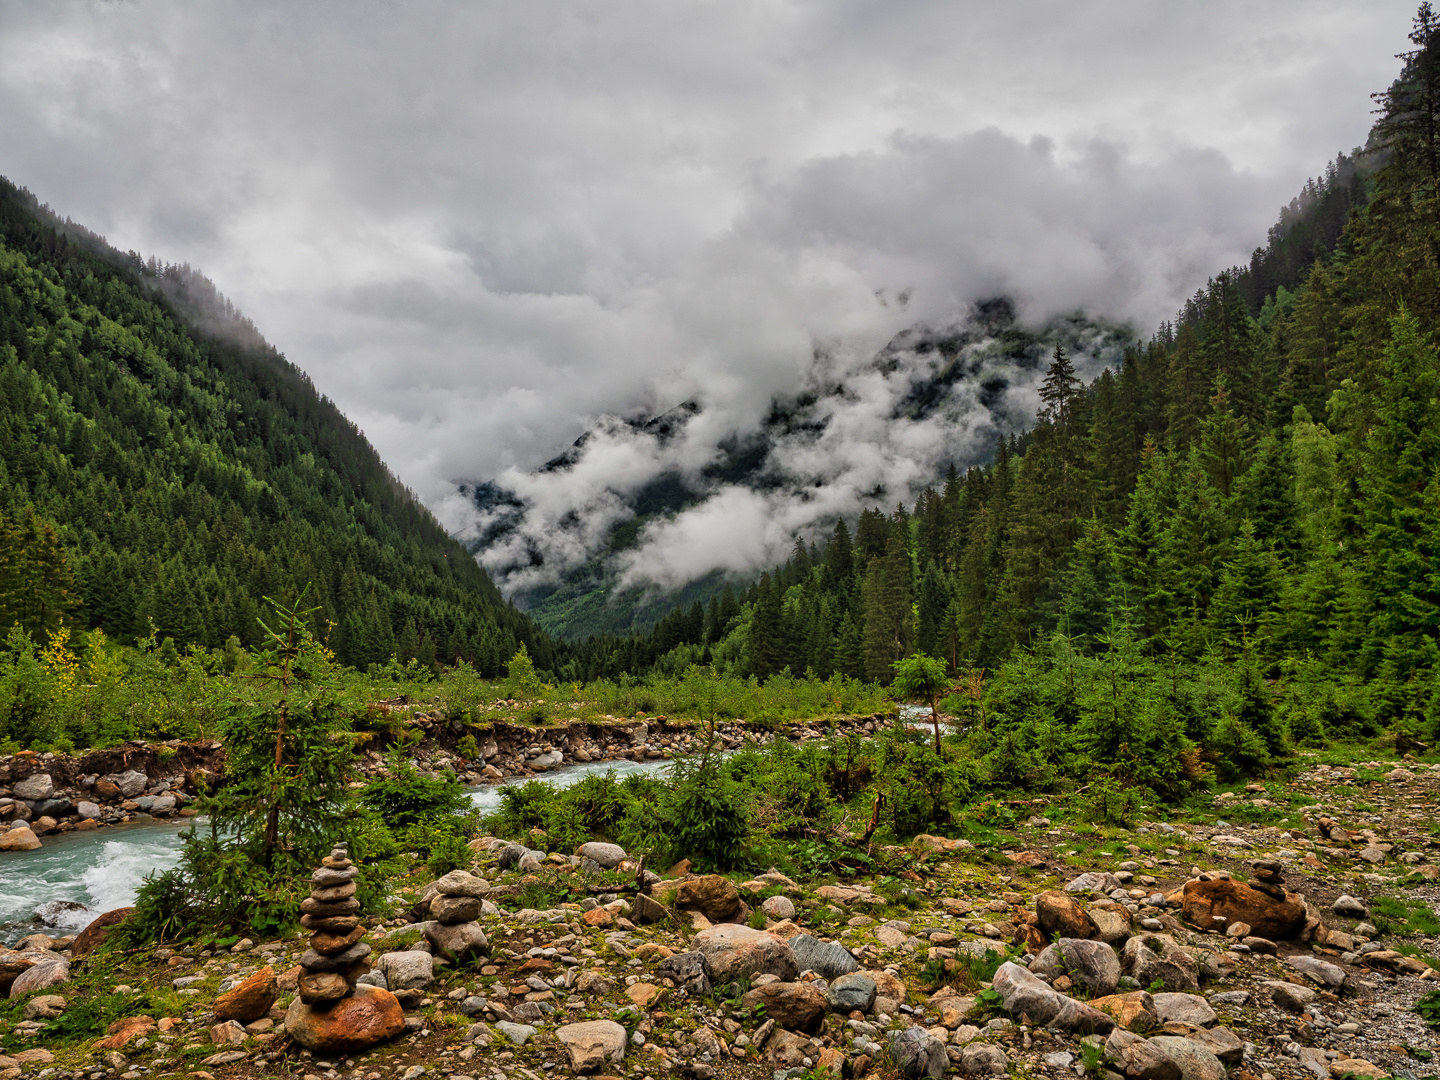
{"type": "Point", "coordinates": [449, 852]}
{"type": "Point", "coordinates": [405, 797]}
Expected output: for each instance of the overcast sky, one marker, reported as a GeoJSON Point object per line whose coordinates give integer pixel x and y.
{"type": "Point", "coordinates": [479, 225]}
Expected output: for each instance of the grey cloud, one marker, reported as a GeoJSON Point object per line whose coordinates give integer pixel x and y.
{"type": "Point", "coordinates": [480, 228]}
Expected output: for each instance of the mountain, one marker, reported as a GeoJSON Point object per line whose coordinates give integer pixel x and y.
{"type": "Point", "coordinates": [613, 533]}
{"type": "Point", "coordinates": [188, 470]}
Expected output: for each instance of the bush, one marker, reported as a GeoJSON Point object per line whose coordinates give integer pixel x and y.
{"type": "Point", "coordinates": [449, 852]}
{"type": "Point", "coordinates": [405, 797]}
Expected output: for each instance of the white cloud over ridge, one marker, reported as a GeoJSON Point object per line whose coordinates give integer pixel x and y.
{"type": "Point", "coordinates": [483, 228]}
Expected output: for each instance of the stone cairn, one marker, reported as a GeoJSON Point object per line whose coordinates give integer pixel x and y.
{"type": "Point", "coordinates": [331, 1015]}
{"type": "Point", "coordinates": [452, 930]}
{"type": "Point", "coordinates": [337, 956]}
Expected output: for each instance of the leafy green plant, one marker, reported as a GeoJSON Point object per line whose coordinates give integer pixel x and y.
{"type": "Point", "coordinates": [449, 852]}
{"type": "Point", "coordinates": [1428, 1007]}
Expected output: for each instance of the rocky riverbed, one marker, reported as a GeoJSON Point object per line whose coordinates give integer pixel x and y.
{"type": "Point", "coordinates": [1286, 932]}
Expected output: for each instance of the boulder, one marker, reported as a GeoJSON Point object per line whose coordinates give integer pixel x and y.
{"type": "Point", "coordinates": [121, 1032]}
{"type": "Point", "coordinates": [828, 959]}
{"type": "Point", "coordinates": [794, 1006]}
{"type": "Point", "coordinates": [457, 942]}
{"type": "Point", "coordinates": [1222, 1042]}
{"type": "Point", "coordinates": [368, 1016]}
{"type": "Point", "coordinates": [644, 910]}
{"type": "Point", "coordinates": [41, 976]}
{"type": "Point", "coordinates": [851, 992]}
{"type": "Point", "coordinates": [1094, 881]}
{"type": "Point", "coordinates": [1195, 1061]}
{"type": "Point", "coordinates": [592, 1043]}
{"type": "Point", "coordinates": [1113, 925]}
{"type": "Point", "coordinates": [1292, 997]}
{"type": "Point", "coordinates": [686, 969]}
{"type": "Point", "coordinates": [983, 1059]}
{"type": "Point", "coordinates": [1134, 1011]}
{"type": "Point", "coordinates": [1186, 1008]}
{"type": "Point", "coordinates": [713, 895]}
{"type": "Point", "coordinates": [1090, 962]}
{"type": "Point", "coordinates": [95, 933]}
{"type": "Point", "coordinates": [1062, 916]}
{"type": "Point", "coordinates": [1140, 1060]}
{"type": "Point", "coordinates": [1025, 995]}
{"type": "Point", "coordinates": [250, 1000]}
{"type": "Point", "coordinates": [732, 951]}
{"type": "Point", "coordinates": [917, 1054]}
{"type": "Point", "coordinates": [88, 811]}
{"type": "Point", "coordinates": [609, 856]}
{"type": "Point", "coordinates": [35, 786]}
{"type": "Point", "coordinates": [1202, 902]}
{"type": "Point", "coordinates": [19, 837]}
{"type": "Point", "coordinates": [130, 783]}
{"type": "Point", "coordinates": [1156, 958]}
{"type": "Point", "coordinates": [44, 1007]}
{"type": "Point", "coordinates": [454, 909]}
{"type": "Point", "coordinates": [1322, 972]}
{"type": "Point", "coordinates": [408, 970]}
{"type": "Point", "coordinates": [779, 907]}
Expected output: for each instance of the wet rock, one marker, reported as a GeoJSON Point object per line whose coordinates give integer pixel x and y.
{"type": "Point", "coordinates": [1090, 962]}
{"type": "Point", "coordinates": [94, 934]}
{"type": "Point", "coordinates": [609, 856]}
{"type": "Point", "coordinates": [732, 951]}
{"type": "Point", "coordinates": [1202, 902]}
{"type": "Point", "coordinates": [1025, 995]}
{"type": "Point", "coordinates": [354, 1023]}
{"type": "Point", "coordinates": [1186, 1008]}
{"type": "Point", "coordinates": [1157, 958]}
{"type": "Point", "coordinates": [854, 991]}
{"type": "Point", "coordinates": [828, 959]}
{"type": "Point", "coordinates": [1061, 916]}
{"type": "Point", "coordinates": [250, 1000]}
{"type": "Point", "coordinates": [917, 1053]}
{"type": "Point", "coordinates": [19, 837]}
{"type": "Point", "coordinates": [592, 1043]}
{"type": "Point", "coordinates": [794, 1006]}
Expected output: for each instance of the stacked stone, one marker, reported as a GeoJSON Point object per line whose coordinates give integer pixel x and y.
{"type": "Point", "coordinates": [453, 932]}
{"type": "Point", "coordinates": [336, 957]}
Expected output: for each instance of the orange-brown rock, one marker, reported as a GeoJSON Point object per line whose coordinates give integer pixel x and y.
{"type": "Point", "coordinates": [598, 917]}
{"type": "Point", "coordinates": [329, 944]}
{"type": "Point", "coordinates": [1134, 1011]}
{"type": "Point", "coordinates": [94, 935]}
{"type": "Point", "coordinates": [1061, 916]}
{"type": "Point", "coordinates": [794, 1006]}
{"type": "Point", "coordinates": [250, 1000]}
{"type": "Point", "coordinates": [1202, 902]}
{"type": "Point", "coordinates": [713, 895]}
{"type": "Point", "coordinates": [352, 1024]}
{"type": "Point", "coordinates": [121, 1032]}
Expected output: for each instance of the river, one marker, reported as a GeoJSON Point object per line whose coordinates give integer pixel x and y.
{"type": "Point", "coordinates": [103, 868]}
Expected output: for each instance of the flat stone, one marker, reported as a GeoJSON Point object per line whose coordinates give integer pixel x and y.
{"type": "Point", "coordinates": [325, 877]}
{"type": "Point", "coordinates": [311, 960]}
{"type": "Point", "coordinates": [1292, 997]}
{"type": "Point", "coordinates": [592, 1043]}
{"type": "Point", "coordinates": [461, 883]}
{"type": "Point", "coordinates": [1331, 976]}
{"type": "Point", "coordinates": [449, 909]}
{"type": "Point", "coordinates": [1186, 1008]}
{"type": "Point", "coordinates": [520, 1034]}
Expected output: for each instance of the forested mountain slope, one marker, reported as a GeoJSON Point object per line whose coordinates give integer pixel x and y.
{"type": "Point", "coordinates": [1260, 481]}
{"type": "Point", "coordinates": [189, 470]}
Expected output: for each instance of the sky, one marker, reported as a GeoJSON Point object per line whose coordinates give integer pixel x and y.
{"type": "Point", "coordinates": [482, 227]}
